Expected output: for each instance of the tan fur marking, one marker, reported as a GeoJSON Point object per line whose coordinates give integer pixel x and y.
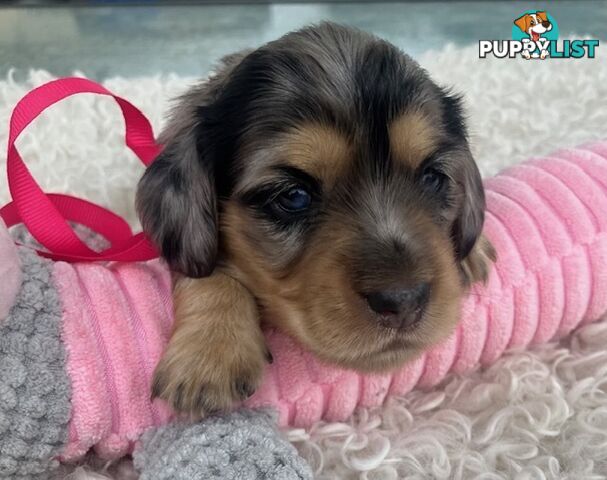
{"type": "Point", "coordinates": [320, 151]}
{"type": "Point", "coordinates": [412, 137]}
{"type": "Point", "coordinates": [477, 265]}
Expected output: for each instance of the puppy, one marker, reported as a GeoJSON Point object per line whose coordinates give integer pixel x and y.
{"type": "Point", "coordinates": [534, 25]}
{"type": "Point", "coordinates": [324, 184]}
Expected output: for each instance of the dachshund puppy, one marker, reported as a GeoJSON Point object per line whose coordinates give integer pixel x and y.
{"type": "Point", "coordinates": [324, 184]}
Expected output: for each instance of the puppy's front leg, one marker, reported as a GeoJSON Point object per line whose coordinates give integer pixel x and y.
{"type": "Point", "coordinates": [217, 353]}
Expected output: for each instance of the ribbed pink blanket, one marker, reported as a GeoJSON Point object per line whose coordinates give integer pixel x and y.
{"type": "Point", "coordinates": [547, 219]}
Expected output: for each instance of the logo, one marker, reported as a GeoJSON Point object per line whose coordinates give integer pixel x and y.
{"type": "Point", "coordinates": [535, 36]}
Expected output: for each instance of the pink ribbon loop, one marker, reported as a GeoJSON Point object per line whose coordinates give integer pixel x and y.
{"type": "Point", "coordinates": [47, 216]}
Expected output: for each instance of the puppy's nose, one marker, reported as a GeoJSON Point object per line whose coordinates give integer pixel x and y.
{"type": "Point", "coordinates": [546, 24]}
{"type": "Point", "coordinates": [399, 308]}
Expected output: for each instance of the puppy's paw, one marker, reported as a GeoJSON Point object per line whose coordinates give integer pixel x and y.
{"type": "Point", "coordinates": [198, 381]}
{"type": "Point", "coordinates": [217, 354]}
{"type": "Point", "coordinates": [477, 265]}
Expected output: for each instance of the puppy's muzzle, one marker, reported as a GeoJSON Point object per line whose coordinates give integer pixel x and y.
{"type": "Point", "coordinates": [399, 308]}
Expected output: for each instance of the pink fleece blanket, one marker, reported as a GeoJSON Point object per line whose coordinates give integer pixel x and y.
{"type": "Point", "coordinates": [547, 219]}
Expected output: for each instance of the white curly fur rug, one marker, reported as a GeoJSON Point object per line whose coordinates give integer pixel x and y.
{"type": "Point", "coordinates": [540, 414]}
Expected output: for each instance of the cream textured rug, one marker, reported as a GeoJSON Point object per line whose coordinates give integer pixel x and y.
{"type": "Point", "coordinates": [540, 414]}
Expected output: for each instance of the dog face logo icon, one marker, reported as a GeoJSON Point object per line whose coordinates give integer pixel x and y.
{"type": "Point", "coordinates": [534, 24]}
{"type": "Point", "coordinates": [536, 29]}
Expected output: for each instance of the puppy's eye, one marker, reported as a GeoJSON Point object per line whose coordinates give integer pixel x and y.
{"type": "Point", "coordinates": [433, 180]}
{"type": "Point", "coordinates": [294, 200]}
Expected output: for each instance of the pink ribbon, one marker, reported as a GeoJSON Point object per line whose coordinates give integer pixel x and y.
{"type": "Point", "coordinates": [46, 216]}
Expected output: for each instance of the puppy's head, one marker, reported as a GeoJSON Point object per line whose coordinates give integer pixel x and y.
{"type": "Point", "coordinates": [329, 175]}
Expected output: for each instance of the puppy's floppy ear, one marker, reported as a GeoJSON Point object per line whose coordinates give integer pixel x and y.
{"type": "Point", "coordinates": [474, 252]}
{"type": "Point", "coordinates": [523, 22]}
{"type": "Point", "coordinates": [469, 222]}
{"type": "Point", "coordinates": [176, 197]}
{"type": "Point", "coordinates": [542, 15]}
{"type": "Point", "coordinates": [177, 206]}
